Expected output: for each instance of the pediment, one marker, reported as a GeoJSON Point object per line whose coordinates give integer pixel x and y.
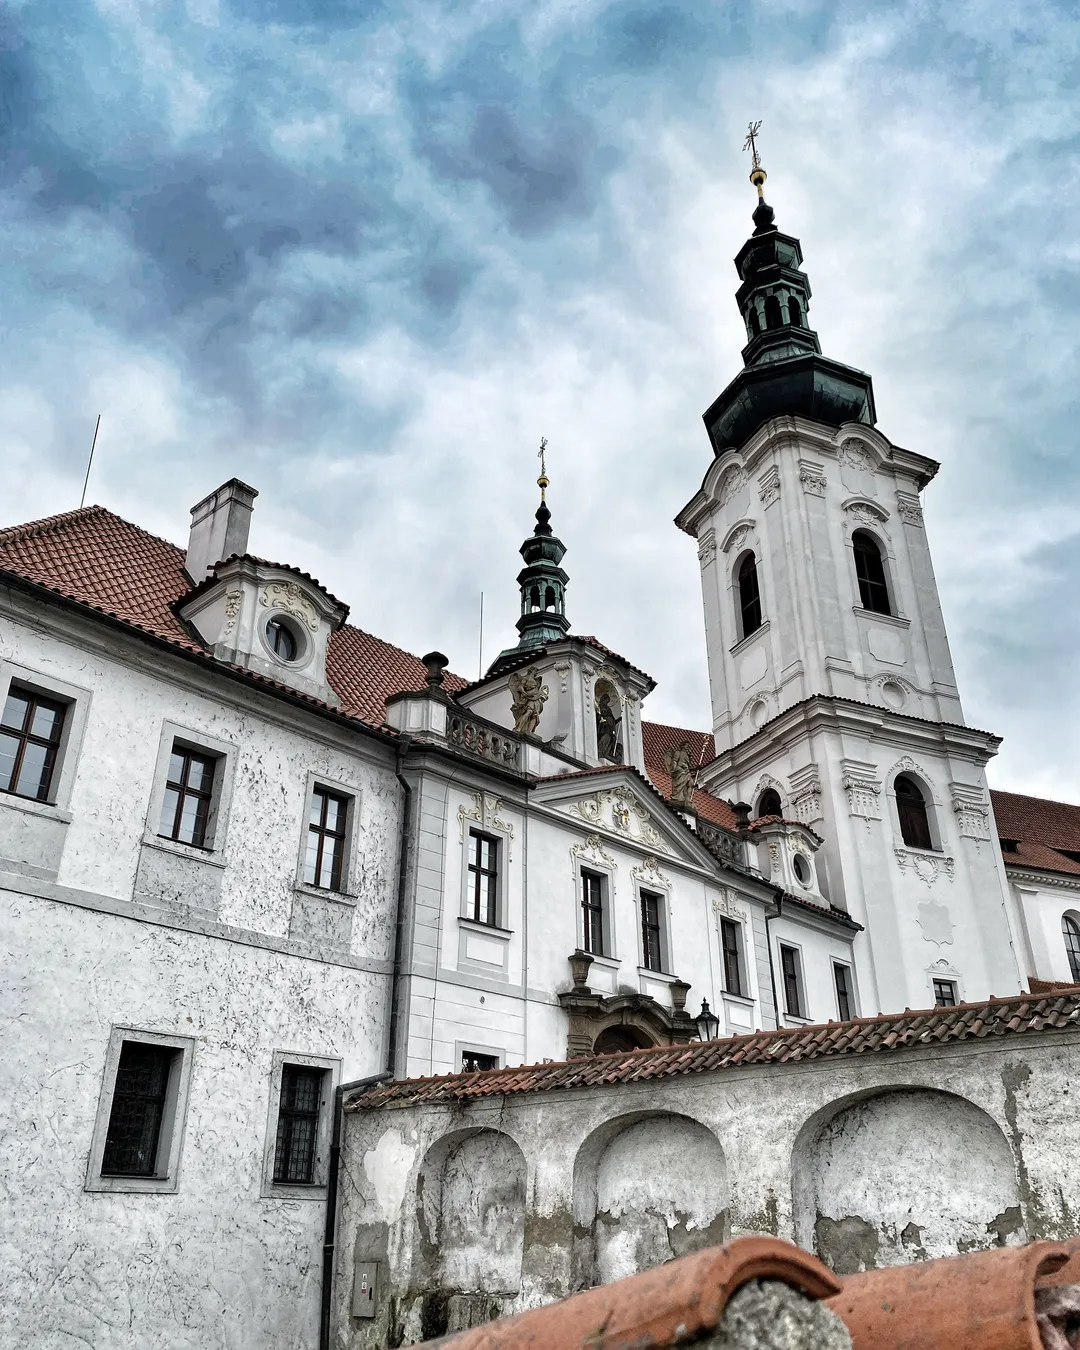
{"type": "Point", "coordinates": [620, 811]}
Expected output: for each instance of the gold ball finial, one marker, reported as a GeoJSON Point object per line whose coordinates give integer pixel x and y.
{"type": "Point", "coordinates": [543, 482]}
{"type": "Point", "coordinates": [757, 173]}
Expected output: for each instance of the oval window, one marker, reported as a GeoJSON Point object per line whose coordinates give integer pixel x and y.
{"type": "Point", "coordinates": [802, 869]}
{"type": "Point", "coordinates": [281, 640]}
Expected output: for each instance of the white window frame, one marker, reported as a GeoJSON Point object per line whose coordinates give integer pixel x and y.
{"type": "Point", "coordinates": [942, 970]}
{"type": "Point", "coordinates": [888, 566]}
{"type": "Point", "coordinates": [348, 862]}
{"type": "Point", "coordinates": [502, 839]}
{"type": "Point", "coordinates": [77, 701]}
{"type": "Point", "coordinates": [663, 894]}
{"type": "Point", "coordinates": [462, 1048]}
{"type": "Point", "coordinates": [933, 811]}
{"type": "Point", "coordinates": [289, 1190]}
{"type": "Point", "coordinates": [608, 903]}
{"type": "Point", "coordinates": [800, 977]}
{"type": "Point", "coordinates": [173, 1121]}
{"type": "Point", "coordinates": [224, 752]}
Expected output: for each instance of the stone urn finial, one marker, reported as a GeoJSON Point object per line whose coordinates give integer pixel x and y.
{"type": "Point", "coordinates": [435, 664]}
{"type": "Point", "coordinates": [679, 991]}
{"type": "Point", "coordinates": [579, 970]}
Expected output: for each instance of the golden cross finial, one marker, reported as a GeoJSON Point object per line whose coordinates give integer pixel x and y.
{"type": "Point", "coordinates": [543, 481]}
{"type": "Point", "coordinates": [757, 173]}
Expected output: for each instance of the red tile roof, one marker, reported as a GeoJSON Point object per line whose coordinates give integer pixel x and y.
{"type": "Point", "coordinates": [1041, 829]}
{"type": "Point", "coordinates": [657, 739]}
{"type": "Point", "coordinates": [97, 559]}
{"type": "Point", "coordinates": [862, 1035]}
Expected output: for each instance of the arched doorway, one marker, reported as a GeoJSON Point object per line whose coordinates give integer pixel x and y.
{"type": "Point", "coordinates": [612, 1040]}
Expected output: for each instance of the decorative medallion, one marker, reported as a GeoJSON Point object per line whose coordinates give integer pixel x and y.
{"type": "Point", "coordinates": [485, 812]}
{"type": "Point", "coordinates": [926, 866]}
{"type": "Point", "coordinates": [290, 599]}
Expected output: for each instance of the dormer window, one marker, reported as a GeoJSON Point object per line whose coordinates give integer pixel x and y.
{"type": "Point", "coordinates": [281, 640]}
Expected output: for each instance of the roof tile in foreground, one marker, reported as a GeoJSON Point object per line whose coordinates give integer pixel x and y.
{"type": "Point", "coordinates": [860, 1036]}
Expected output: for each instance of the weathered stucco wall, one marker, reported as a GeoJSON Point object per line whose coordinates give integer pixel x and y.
{"type": "Point", "coordinates": [867, 1159]}
{"type": "Point", "coordinates": [214, 1264]}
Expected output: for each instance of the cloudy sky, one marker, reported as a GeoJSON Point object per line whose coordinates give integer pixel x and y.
{"type": "Point", "coordinates": [363, 255]}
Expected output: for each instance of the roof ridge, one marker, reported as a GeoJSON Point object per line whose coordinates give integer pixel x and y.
{"type": "Point", "coordinates": [1028, 797]}
{"type": "Point", "coordinates": [33, 529]}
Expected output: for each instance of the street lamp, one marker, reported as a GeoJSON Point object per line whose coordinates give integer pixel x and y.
{"type": "Point", "coordinates": [708, 1024]}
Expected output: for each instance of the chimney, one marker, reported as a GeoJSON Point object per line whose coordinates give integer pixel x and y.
{"type": "Point", "coordinates": [219, 527]}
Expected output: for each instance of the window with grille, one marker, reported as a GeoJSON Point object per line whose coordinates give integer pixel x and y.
{"type": "Point", "coordinates": [299, 1107]}
{"type": "Point", "coordinates": [749, 596]}
{"type": "Point", "coordinates": [792, 977]}
{"type": "Point", "coordinates": [652, 915]}
{"type": "Point", "coordinates": [189, 793]}
{"type": "Point", "coordinates": [483, 899]}
{"type": "Point", "coordinates": [140, 1094]}
{"type": "Point", "coordinates": [1070, 930]}
{"type": "Point", "coordinates": [870, 573]}
{"type": "Point", "coordinates": [911, 812]}
{"type": "Point", "coordinates": [30, 732]}
{"type": "Point", "coordinates": [472, 1061]}
{"type": "Point", "coordinates": [324, 862]}
{"type": "Point", "coordinates": [945, 993]}
{"type": "Point", "coordinates": [592, 911]}
{"type": "Point", "coordinates": [729, 944]}
{"type": "Point", "coordinates": [845, 1003]}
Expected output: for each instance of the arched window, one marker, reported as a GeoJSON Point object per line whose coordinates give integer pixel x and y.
{"type": "Point", "coordinates": [794, 310]}
{"type": "Point", "coordinates": [534, 598]}
{"type": "Point", "coordinates": [749, 596]}
{"type": "Point", "coordinates": [769, 803]}
{"type": "Point", "coordinates": [549, 598]}
{"type": "Point", "coordinates": [1071, 931]}
{"type": "Point", "coordinates": [753, 324]}
{"type": "Point", "coordinates": [773, 317]}
{"type": "Point", "coordinates": [870, 570]}
{"type": "Point", "coordinates": [911, 809]}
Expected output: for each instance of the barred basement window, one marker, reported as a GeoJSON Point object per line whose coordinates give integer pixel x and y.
{"type": "Point", "coordinates": [189, 791]}
{"type": "Point", "coordinates": [327, 825]}
{"type": "Point", "coordinates": [133, 1140]}
{"type": "Point", "coordinates": [483, 902]}
{"type": "Point", "coordinates": [652, 930]}
{"type": "Point", "coordinates": [945, 993]}
{"type": "Point", "coordinates": [729, 942]}
{"type": "Point", "coordinates": [30, 731]}
{"type": "Point", "coordinates": [298, 1124]}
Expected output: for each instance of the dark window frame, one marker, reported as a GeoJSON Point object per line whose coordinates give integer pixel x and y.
{"type": "Point", "coordinates": [25, 737]}
{"type": "Point", "coordinates": [751, 615]}
{"type": "Point", "coordinates": [870, 573]}
{"type": "Point", "coordinates": [137, 1131]}
{"type": "Point", "coordinates": [594, 912]}
{"type": "Point", "coordinates": [470, 1061]}
{"type": "Point", "coordinates": [652, 930]}
{"type": "Point", "coordinates": [481, 877]}
{"type": "Point", "coordinates": [277, 629]}
{"type": "Point", "coordinates": [1070, 932]}
{"type": "Point", "coordinates": [322, 832]}
{"type": "Point", "coordinates": [731, 950]}
{"type": "Point", "coordinates": [298, 1126]}
{"type": "Point", "coordinates": [912, 812]}
{"type": "Point", "coordinates": [946, 994]}
{"type": "Point", "coordinates": [204, 797]}
{"type": "Point", "coordinates": [845, 991]}
{"type": "Point", "coordinates": [791, 978]}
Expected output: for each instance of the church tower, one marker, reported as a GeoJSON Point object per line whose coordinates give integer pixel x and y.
{"type": "Point", "coordinates": [831, 679]}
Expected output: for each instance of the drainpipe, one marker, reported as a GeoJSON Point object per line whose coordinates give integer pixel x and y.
{"type": "Point", "coordinates": [404, 845]}
{"type": "Point", "coordinates": [778, 897]}
{"type": "Point", "coordinates": [358, 1086]}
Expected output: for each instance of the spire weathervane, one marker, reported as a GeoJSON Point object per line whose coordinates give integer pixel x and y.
{"type": "Point", "coordinates": [757, 173]}
{"type": "Point", "coordinates": [543, 481]}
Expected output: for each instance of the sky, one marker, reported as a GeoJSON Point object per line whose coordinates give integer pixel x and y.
{"type": "Point", "coordinates": [363, 255]}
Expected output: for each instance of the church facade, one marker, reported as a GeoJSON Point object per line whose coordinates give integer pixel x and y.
{"type": "Point", "coordinates": [250, 853]}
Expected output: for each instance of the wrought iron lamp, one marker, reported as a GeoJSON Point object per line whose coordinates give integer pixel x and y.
{"type": "Point", "coordinates": [708, 1024]}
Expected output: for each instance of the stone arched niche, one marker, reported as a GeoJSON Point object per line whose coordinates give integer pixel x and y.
{"type": "Point", "coordinates": [471, 1213]}
{"type": "Point", "coordinates": [906, 1175]}
{"type": "Point", "coordinates": [647, 1189]}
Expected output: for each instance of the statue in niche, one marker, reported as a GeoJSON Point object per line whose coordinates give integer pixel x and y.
{"type": "Point", "coordinates": [682, 774]}
{"type": "Point", "coordinates": [529, 694]}
{"type": "Point", "coordinates": [608, 739]}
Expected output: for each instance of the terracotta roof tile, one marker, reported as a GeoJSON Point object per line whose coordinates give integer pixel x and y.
{"type": "Point", "coordinates": [1044, 832]}
{"type": "Point", "coordinates": [862, 1035]}
{"type": "Point", "coordinates": [97, 559]}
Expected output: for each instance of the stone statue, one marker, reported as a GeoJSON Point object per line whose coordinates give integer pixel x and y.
{"type": "Point", "coordinates": [607, 730]}
{"type": "Point", "coordinates": [529, 694]}
{"type": "Point", "coordinates": [682, 774]}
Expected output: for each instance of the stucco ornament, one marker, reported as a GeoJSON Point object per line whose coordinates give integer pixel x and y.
{"type": "Point", "coordinates": [678, 763]}
{"type": "Point", "coordinates": [485, 812]}
{"type": "Point", "coordinates": [290, 599]}
{"type": "Point", "coordinates": [731, 483]}
{"type": "Point", "coordinates": [590, 849]}
{"type": "Point", "coordinates": [724, 906]}
{"type": "Point", "coordinates": [935, 923]}
{"type": "Point", "coordinates": [529, 694]}
{"type": "Point", "coordinates": [813, 482]}
{"type": "Point", "coordinates": [233, 602]}
{"type": "Point", "coordinates": [707, 548]}
{"type": "Point", "coordinates": [649, 873]}
{"type": "Point", "coordinates": [769, 486]}
{"type": "Point", "coordinates": [926, 866]}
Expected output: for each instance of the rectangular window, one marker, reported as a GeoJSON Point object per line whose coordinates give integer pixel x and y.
{"type": "Point", "coordinates": [483, 878]}
{"type": "Point", "coordinates": [789, 966]}
{"type": "Point", "coordinates": [945, 993]}
{"type": "Point", "coordinates": [133, 1139]}
{"type": "Point", "coordinates": [472, 1061]}
{"type": "Point", "coordinates": [325, 859]}
{"type": "Point", "coordinates": [729, 941]}
{"type": "Point", "coordinates": [845, 1003]}
{"type": "Point", "coordinates": [299, 1107]}
{"type": "Point", "coordinates": [30, 731]}
{"type": "Point", "coordinates": [592, 912]}
{"type": "Point", "coordinates": [189, 790]}
{"type": "Point", "coordinates": [652, 911]}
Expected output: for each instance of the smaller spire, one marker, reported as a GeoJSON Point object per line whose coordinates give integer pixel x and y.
{"type": "Point", "coordinates": [543, 482]}
{"type": "Point", "coordinates": [764, 215]}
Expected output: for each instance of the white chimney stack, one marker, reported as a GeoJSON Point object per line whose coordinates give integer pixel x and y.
{"type": "Point", "coordinates": [219, 527]}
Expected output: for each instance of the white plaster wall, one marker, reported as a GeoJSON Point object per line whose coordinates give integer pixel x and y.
{"type": "Point", "coordinates": [1043, 907]}
{"type": "Point", "coordinates": [818, 949]}
{"type": "Point", "coordinates": [214, 1264]}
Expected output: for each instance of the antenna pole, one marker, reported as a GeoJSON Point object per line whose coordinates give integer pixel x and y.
{"type": "Point", "coordinates": [86, 480]}
{"type": "Point", "coordinates": [480, 662]}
